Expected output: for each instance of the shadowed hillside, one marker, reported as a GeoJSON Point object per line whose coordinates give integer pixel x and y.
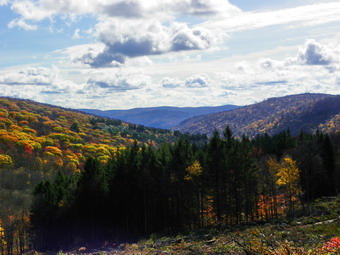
{"type": "Point", "coordinates": [304, 111]}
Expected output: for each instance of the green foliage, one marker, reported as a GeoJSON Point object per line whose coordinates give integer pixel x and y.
{"type": "Point", "coordinates": [75, 127]}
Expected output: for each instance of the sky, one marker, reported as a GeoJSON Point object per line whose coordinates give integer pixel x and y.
{"type": "Point", "coordinates": [123, 54]}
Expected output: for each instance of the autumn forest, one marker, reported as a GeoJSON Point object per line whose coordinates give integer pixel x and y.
{"type": "Point", "coordinates": [69, 179]}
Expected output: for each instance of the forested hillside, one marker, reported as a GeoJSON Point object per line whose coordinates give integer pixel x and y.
{"type": "Point", "coordinates": [69, 179]}
{"type": "Point", "coordinates": [49, 136]}
{"type": "Point", "coordinates": [159, 117]}
{"type": "Point", "coordinates": [307, 112]}
{"type": "Point", "coordinates": [37, 141]}
{"type": "Point", "coordinates": [180, 188]}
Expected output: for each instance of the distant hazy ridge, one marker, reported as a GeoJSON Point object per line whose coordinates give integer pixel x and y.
{"type": "Point", "coordinates": [159, 117]}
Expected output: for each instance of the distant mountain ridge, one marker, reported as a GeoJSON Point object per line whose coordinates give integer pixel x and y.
{"type": "Point", "coordinates": [165, 117]}
{"type": "Point", "coordinates": [303, 111]}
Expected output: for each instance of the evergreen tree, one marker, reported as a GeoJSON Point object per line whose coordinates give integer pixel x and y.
{"type": "Point", "coordinates": [328, 158]}
{"type": "Point", "coordinates": [215, 160]}
{"type": "Point", "coordinates": [89, 202]}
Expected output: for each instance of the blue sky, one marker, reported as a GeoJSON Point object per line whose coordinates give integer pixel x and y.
{"type": "Point", "coordinates": [120, 54]}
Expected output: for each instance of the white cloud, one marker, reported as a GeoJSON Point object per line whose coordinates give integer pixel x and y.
{"type": "Point", "coordinates": [61, 87]}
{"type": "Point", "coordinates": [170, 82]}
{"type": "Point", "coordinates": [197, 81]}
{"type": "Point", "coordinates": [43, 80]}
{"type": "Point", "coordinates": [84, 53]}
{"type": "Point", "coordinates": [117, 80]}
{"type": "Point", "coordinates": [243, 66]}
{"type": "Point", "coordinates": [246, 83]}
{"type": "Point", "coordinates": [314, 69]}
{"type": "Point", "coordinates": [221, 13]}
{"type": "Point", "coordinates": [201, 7]}
{"type": "Point", "coordinates": [132, 28]}
{"type": "Point", "coordinates": [38, 83]}
{"type": "Point", "coordinates": [4, 2]}
{"type": "Point", "coordinates": [28, 10]}
{"type": "Point", "coordinates": [76, 35]}
{"type": "Point", "coordinates": [21, 24]}
{"type": "Point", "coordinates": [135, 28]}
{"type": "Point", "coordinates": [41, 9]}
{"type": "Point", "coordinates": [197, 38]}
{"type": "Point", "coordinates": [29, 76]}
{"type": "Point", "coordinates": [132, 38]}
{"type": "Point", "coordinates": [139, 62]}
{"type": "Point", "coordinates": [141, 83]}
{"type": "Point", "coordinates": [307, 15]}
{"type": "Point", "coordinates": [313, 53]}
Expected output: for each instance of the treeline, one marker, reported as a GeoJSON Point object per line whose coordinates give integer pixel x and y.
{"type": "Point", "coordinates": [184, 186]}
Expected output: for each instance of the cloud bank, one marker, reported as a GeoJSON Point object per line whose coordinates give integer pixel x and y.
{"type": "Point", "coordinates": [133, 28]}
{"type": "Point", "coordinates": [132, 42]}
{"type": "Point", "coordinates": [308, 15]}
{"type": "Point", "coordinates": [117, 81]}
{"type": "Point", "coordinates": [314, 68]}
{"type": "Point", "coordinates": [127, 9]}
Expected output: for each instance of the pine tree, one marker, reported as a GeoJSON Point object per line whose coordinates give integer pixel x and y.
{"type": "Point", "coordinates": [90, 199]}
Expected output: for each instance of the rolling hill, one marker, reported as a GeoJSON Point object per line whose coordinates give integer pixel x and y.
{"type": "Point", "coordinates": [304, 111]}
{"type": "Point", "coordinates": [159, 117]}
{"type": "Point", "coordinates": [39, 136]}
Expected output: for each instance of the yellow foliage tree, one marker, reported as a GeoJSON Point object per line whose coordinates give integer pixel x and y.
{"type": "Point", "coordinates": [288, 177]}
{"type": "Point", "coordinates": [288, 173]}
{"type": "Point", "coordinates": [193, 171]}
{"type": "Point", "coordinates": [5, 161]}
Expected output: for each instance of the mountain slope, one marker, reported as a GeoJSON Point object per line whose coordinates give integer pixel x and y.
{"type": "Point", "coordinates": [296, 112]}
{"type": "Point", "coordinates": [159, 117]}
{"type": "Point", "coordinates": [40, 136]}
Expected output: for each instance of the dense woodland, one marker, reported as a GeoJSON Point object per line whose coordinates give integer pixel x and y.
{"type": "Point", "coordinates": [69, 179]}
{"type": "Point", "coordinates": [182, 187]}
{"type": "Point", "coordinates": [37, 141]}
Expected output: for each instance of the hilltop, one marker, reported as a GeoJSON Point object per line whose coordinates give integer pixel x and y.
{"type": "Point", "coordinates": [306, 112]}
